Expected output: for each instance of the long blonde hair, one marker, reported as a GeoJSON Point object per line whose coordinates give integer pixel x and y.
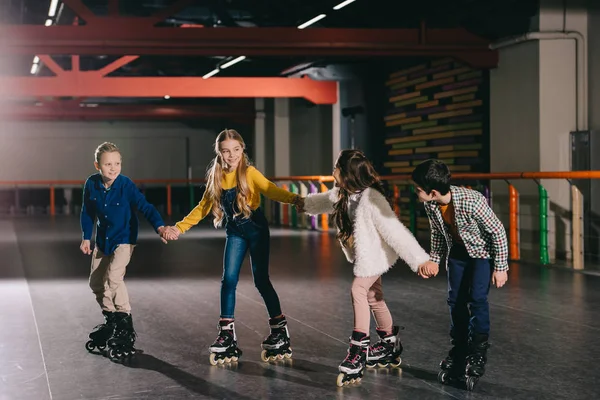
{"type": "Point", "coordinates": [214, 178]}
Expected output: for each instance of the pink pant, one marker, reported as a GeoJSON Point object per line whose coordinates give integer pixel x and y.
{"type": "Point", "coordinates": [367, 295]}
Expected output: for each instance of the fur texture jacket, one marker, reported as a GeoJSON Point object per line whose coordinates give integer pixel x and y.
{"type": "Point", "coordinates": [379, 237]}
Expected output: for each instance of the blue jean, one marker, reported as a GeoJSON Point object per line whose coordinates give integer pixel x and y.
{"type": "Point", "coordinates": [243, 235]}
{"type": "Point", "coordinates": [468, 288]}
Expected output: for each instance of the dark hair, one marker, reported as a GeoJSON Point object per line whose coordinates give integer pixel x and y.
{"type": "Point", "coordinates": [356, 174]}
{"type": "Point", "coordinates": [432, 175]}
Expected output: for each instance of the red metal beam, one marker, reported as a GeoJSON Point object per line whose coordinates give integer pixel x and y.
{"type": "Point", "coordinates": [92, 84]}
{"type": "Point", "coordinates": [136, 36]}
{"type": "Point", "coordinates": [70, 111]}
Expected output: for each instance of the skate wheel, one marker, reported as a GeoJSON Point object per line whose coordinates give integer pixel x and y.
{"type": "Point", "coordinates": [263, 356]}
{"type": "Point", "coordinates": [212, 359]}
{"type": "Point", "coordinates": [397, 363]}
{"type": "Point", "coordinates": [443, 377]}
{"type": "Point", "coordinates": [382, 365]}
{"type": "Point", "coordinates": [89, 346]}
{"type": "Point", "coordinates": [340, 380]}
{"type": "Point", "coordinates": [358, 379]}
{"type": "Point", "coordinates": [112, 354]}
{"type": "Point", "coordinates": [370, 365]}
{"type": "Point", "coordinates": [221, 361]}
{"type": "Point", "coordinates": [280, 356]}
{"type": "Point", "coordinates": [470, 382]}
{"type": "Point", "coordinates": [102, 347]}
{"type": "Point", "coordinates": [288, 355]}
{"type": "Point", "coordinates": [227, 359]}
{"type": "Point", "coordinates": [234, 358]}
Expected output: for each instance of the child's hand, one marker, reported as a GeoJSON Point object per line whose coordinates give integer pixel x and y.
{"type": "Point", "coordinates": [86, 247]}
{"type": "Point", "coordinates": [499, 278]}
{"type": "Point", "coordinates": [169, 233]}
{"type": "Point", "coordinates": [428, 269]}
{"type": "Point", "coordinates": [299, 203]}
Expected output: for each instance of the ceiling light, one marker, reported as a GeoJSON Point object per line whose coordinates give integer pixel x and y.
{"type": "Point", "coordinates": [48, 22]}
{"type": "Point", "coordinates": [211, 73]}
{"type": "Point", "coordinates": [53, 7]}
{"type": "Point", "coordinates": [34, 69]}
{"type": "Point", "coordinates": [230, 63]}
{"type": "Point", "coordinates": [343, 4]}
{"type": "Point", "coordinates": [167, 97]}
{"type": "Point", "coordinates": [312, 21]}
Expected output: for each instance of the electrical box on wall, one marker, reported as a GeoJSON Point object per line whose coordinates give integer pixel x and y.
{"type": "Point", "coordinates": [585, 156]}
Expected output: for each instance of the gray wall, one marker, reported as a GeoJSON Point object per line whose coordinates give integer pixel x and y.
{"type": "Point", "coordinates": [64, 150]}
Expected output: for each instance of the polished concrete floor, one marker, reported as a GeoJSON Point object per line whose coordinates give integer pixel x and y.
{"type": "Point", "coordinates": [545, 324]}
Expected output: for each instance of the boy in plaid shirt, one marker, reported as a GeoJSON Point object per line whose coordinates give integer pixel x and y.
{"type": "Point", "coordinates": [466, 233]}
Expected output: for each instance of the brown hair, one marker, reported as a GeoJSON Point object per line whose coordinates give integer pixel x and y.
{"type": "Point", "coordinates": [106, 147]}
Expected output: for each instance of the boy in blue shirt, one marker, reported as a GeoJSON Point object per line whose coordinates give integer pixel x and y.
{"type": "Point", "coordinates": [112, 200]}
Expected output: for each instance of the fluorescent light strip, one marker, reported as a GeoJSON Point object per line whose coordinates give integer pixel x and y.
{"type": "Point", "coordinates": [312, 21]}
{"type": "Point", "coordinates": [48, 22]}
{"type": "Point", "coordinates": [211, 73]}
{"type": "Point", "coordinates": [34, 68]}
{"type": "Point", "coordinates": [53, 7]}
{"type": "Point", "coordinates": [230, 63]}
{"type": "Point", "coordinates": [343, 4]}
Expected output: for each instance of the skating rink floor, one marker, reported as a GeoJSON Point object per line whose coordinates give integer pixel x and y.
{"type": "Point", "coordinates": [545, 324]}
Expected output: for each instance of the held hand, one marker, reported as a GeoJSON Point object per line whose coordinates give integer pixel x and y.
{"type": "Point", "coordinates": [428, 269]}
{"type": "Point", "coordinates": [86, 247]}
{"type": "Point", "coordinates": [161, 232]}
{"type": "Point", "coordinates": [170, 233]}
{"type": "Point", "coordinates": [299, 203]}
{"type": "Point", "coordinates": [499, 278]}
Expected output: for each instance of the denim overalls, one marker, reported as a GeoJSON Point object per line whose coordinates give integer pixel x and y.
{"type": "Point", "coordinates": [245, 234]}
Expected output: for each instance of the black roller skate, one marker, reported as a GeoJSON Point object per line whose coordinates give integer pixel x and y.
{"type": "Point", "coordinates": [224, 349]}
{"type": "Point", "coordinates": [453, 366]}
{"type": "Point", "coordinates": [120, 345]}
{"type": "Point", "coordinates": [277, 345]}
{"type": "Point", "coordinates": [101, 333]}
{"type": "Point", "coordinates": [387, 351]}
{"type": "Point", "coordinates": [352, 368]}
{"type": "Point", "coordinates": [475, 363]}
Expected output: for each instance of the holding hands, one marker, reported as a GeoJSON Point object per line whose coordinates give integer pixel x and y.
{"type": "Point", "coordinates": [299, 204]}
{"type": "Point", "coordinates": [168, 233]}
{"type": "Point", "coordinates": [428, 269]}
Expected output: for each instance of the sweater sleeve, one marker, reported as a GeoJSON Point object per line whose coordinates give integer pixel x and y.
{"type": "Point", "coordinates": [321, 203]}
{"type": "Point", "coordinates": [196, 215]}
{"type": "Point", "coordinates": [268, 188]}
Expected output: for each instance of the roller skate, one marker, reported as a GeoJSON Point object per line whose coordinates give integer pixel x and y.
{"type": "Point", "coordinates": [476, 359]}
{"type": "Point", "coordinates": [224, 349]}
{"type": "Point", "coordinates": [120, 345]}
{"type": "Point", "coordinates": [277, 345]}
{"type": "Point", "coordinates": [101, 333]}
{"type": "Point", "coordinates": [387, 351]}
{"type": "Point", "coordinates": [352, 368]}
{"type": "Point", "coordinates": [453, 366]}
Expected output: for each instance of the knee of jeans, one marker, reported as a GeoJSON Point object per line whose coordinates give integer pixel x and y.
{"type": "Point", "coordinates": [229, 283]}
{"type": "Point", "coordinates": [479, 301]}
{"type": "Point", "coordinates": [262, 283]}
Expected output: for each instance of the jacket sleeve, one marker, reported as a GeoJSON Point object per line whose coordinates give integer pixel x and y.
{"type": "Point", "coordinates": [321, 203]}
{"type": "Point", "coordinates": [395, 234]}
{"type": "Point", "coordinates": [88, 213]}
{"type": "Point", "coordinates": [148, 210]}
{"type": "Point", "coordinates": [489, 222]}
{"type": "Point", "coordinates": [438, 241]}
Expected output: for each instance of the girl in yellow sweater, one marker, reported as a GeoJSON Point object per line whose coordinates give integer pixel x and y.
{"type": "Point", "coordinates": [233, 196]}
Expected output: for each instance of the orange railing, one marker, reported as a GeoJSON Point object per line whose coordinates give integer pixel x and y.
{"type": "Point", "coordinates": [288, 217]}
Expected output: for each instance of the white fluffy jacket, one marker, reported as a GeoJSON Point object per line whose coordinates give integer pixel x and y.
{"type": "Point", "coordinates": [379, 237]}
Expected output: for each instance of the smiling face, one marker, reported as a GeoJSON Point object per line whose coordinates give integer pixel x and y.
{"type": "Point", "coordinates": [109, 166]}
{"type": "Point", "coordinates": [231, 152]}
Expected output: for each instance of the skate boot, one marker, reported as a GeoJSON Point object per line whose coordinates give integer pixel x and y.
{"type": "Point", "coordinates": [101, 333]}
{"type": "Point", "coordinates": [352, 368]}
{"type": "Point", "coordinates": [476, 359]}
{"type": "Point", "coordinates": [224, 349]}
{"type": "Point", "coordinates": [277, 345]}
{"type": "Point", "coordinates": [387, 351]}
{"type": "Point", "coordinates": [453, 366]}
{"type": "Point", "coordinates": [120, 345]}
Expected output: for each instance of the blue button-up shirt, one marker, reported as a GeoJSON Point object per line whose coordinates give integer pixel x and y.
{"type": "Point", "coordinates": [115, 211]}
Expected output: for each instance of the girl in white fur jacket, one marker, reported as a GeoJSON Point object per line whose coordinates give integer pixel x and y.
{"type": "Point", "coordinates": [372, 238]}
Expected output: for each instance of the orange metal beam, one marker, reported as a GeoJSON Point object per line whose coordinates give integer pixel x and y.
{"type": "Point", "coordinates": [124, 35]}
{"type": "Point", "coordinates": [91, 84]}
{"type": "Point", "coordinates": [50, 111]}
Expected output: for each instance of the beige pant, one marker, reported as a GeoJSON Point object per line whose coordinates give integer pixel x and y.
{"type": "Point", "coordinates": [106, 278]}
{"type": "Point", "coordinates": [367, 295]}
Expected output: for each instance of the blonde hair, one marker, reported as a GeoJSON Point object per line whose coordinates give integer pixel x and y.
{"type": "Point", "coordinates": [214, 178]}
{"type": "Point", "coordinates": [106, 147]}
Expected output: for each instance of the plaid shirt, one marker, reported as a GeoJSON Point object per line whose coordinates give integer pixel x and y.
{"type": "Point", "coordinates": [479, 228]}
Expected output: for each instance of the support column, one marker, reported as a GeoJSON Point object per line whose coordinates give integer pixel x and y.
{"type": "Point", "coordinates": [336, 131]}
{"type": "Point", "coordinates": [282, 137]}
{"type": "Point", "coordinates": [260, 135]}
